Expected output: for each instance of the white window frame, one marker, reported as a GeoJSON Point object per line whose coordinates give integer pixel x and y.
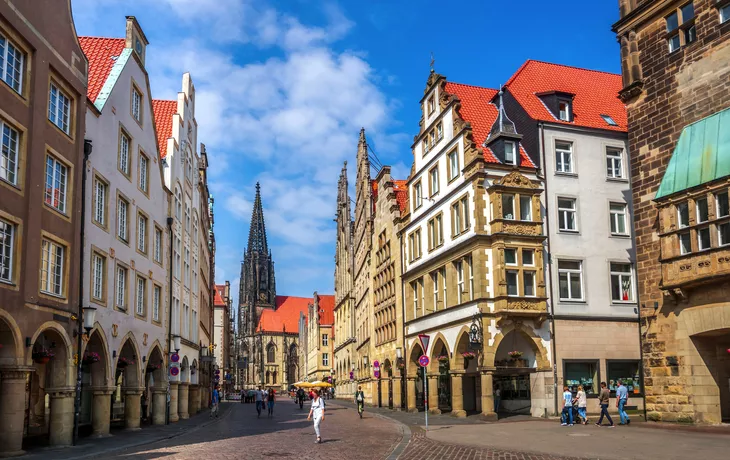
{"type": "Point", "coordinates": [124, 143]}
{"type": "Point", "coordinates": [178, 204]}
{"type": "Point", "coordinates": [704, 231]}
{"type": "Point", "coordinates": [443, 286]}
{"type": "Point", "coordinates": [508, 215]}
{"type": "Point", "coordinates": [418, 193]}
{"type": "Point", "coordinates": [453, 159]}
{"type": "Point", "coordinates": [513, 159]}
{"type": "Point", "coordinates": [564, 103]}
{"type": "Point", "coordinates": [459, 266]}
{"type": "Point", "coordinates": [57, 173]}
{"type": "Point", "coordinates": [158, 245]}
{"type": "Point", "coordinates": [682, 208]}
{"type": "Point", "coordinates": [719, 212]}
{"type": "Point", "coordinates": [100, 195]}
{"type": "Point", "coordinates": [7, 47]}
{"type": "Point", "coordinates": [325, 359]}
{"type": "Point", "coordinates": [156, 301]}
{"type": "Point", "coordinates": [570, 272]}
{"type": "Point", "coordinates": [136, 104]}
{"type": "Point", "coordinates": [697, 209]}
{"type": "Point", "coordinates": [510, 251]}
{"type": "Point", "coordinates": [53, 265]}
{"type": "Point", "coordinates": [141, 296]}
{"type": "Point", "coordinates": [616, 216]}
{"type": "Point", "coordinates": [470, 267]}
{"type": "Point", "coordinates": [532, 257]}
{"type": "Point", "coordinates": [566, 212]}
{"type": "Point", "coordinates": [622, 277]}
{"type": "Point", "coordinates": [532, 273]}
{"type": "Point", "coordinates": [325, 340]}
{"type": "Point", "coordinates": [436, 289]}
{"type": "Point", "coordinates": [614, 163]}
{"type": "Point", "coordinates": [685, 237]}
{"type": "Point", "coordinates": [7, 250]}
{"type": "Point", "coordinates": [142, 222]}
{"type": "Point", "coordinates": [98, 267]}
{"type": "Point", "coordinates": [433, 175]}
{"type": "Point", "coordinates": [59, 108]}
{"type": "Point", "coordinates": [120, 295]}
{"type": "Point", "coordinates": [123, 219]}
{"type": "Point", "coordinates": [9, 153]}
{"type": "Point", "coordinates": [564, 157]}
{"type": "Point", "coordinates": [528, 199]}
{"type": "Point", "coordinates": [516, 274]}
{"type": "Point", "coordinates": [414, 287]}
{"type": "Point", "coordinates": [144, 173]}
{"type": "Point", "coordinates": [720, 240]}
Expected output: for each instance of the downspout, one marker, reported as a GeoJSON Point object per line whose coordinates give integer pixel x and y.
{"type": "Point", "coordinates": [88, 147]}
{"type": "Point", "coordinates": [550, 267]}
{"type": "Point", "coordinates": [169, 319]}
{"type": "Point", "coordinates": [404, 371]}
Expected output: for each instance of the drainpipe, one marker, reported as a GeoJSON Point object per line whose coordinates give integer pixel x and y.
{"type": "Point", "coordinates": [80, 314]}
{"type": "Point", "coordinates": [169, 318]}
{"type": "Point", "coordinates": [550, 269]}
{"type": "Point", "coordinates": [404, 371]}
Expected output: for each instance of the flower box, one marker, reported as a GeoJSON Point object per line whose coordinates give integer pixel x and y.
{"type": "Point", "coordinates": [91, 357]}
{"type": "Point", "coordinates": [43, 356]}
{"type": "Point", "coordinates": [443, 359]}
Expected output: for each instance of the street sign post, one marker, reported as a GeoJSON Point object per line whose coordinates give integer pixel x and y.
{"type": "Point", "coordinates": [424, 339]}
{"type": "Point", "coordinates": [423, 361]}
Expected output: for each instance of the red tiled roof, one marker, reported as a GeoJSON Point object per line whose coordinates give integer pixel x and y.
{"type": "Point", "coordinates": [400, 187]}
{"type": "Point", "coordinates": [286, 314]}
{"type": "Point", "coordinates": [596, 93]}
{"type": "Point", "coordinates": [327, 310]}
{"type": "Point", "coordinates": [163, 110]}
{"type": "Point", "coordinates": [218, 300]}
{"type": "Point", "coordinates": [477, 109]}
{"type": "Point", "coordinates": [102, 54]}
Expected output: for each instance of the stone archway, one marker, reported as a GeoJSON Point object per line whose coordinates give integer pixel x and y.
{"type": "Point", "coordinates": [128, 382]}
{"type": "Point", "coordinates": [466, 378]}
{"type": "Point", "coordinates": [11, 346]}
{"type": "Point", "coordinates": [183, 391]}
{"type": "Point", "coordinates": [97, 384]}
{"type": "Point", "coordinates": [439, 383]}
{"type": "Point", "coordinates": [531, 339]}
{"type": "Point", "coordinates": [155, 385]}
{"type": "Point", "coordinates": [415, 388]}
{"type": "Point", "coordinates": [13, 376]}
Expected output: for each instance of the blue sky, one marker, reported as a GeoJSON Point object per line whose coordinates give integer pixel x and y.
{"type": "Point", "coordinates": [284, 87]}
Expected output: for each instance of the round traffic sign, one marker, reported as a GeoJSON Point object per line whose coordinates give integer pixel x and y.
{"type": "Point", "coordinates": [174, 371]}
{"type": "Point", "coordinates": [175, 358]}
{"type": "Point", "coordinates": [423, 361]}
{"type": "Point", "coordinates": [376, 364]}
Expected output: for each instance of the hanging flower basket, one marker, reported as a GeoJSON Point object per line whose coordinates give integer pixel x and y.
{"type": "Point", "coordinates": [91, 357]}
{"type": "Point", "coordinates": [193, 371]}
{"type": "Point", "coordinates": [43, 356]}
{"type": "Point", "coordinates": [124, 362]}
{"type": "Point", "coordinates": [153, 367]}
{"type": "Point", "coordinates": [515, 355]}
{"type": "Point", "coordinates": [443, 359]}
{"type": "Point", "coordinates": [402, 365]}
{"type": "Point", "coordinates": [468, 355]}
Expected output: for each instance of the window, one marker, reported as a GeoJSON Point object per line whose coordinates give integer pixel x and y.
{"type": "Point", "coordinates": [471, 277]}
{"type": "Point", "coordinates": [614, 163]}
{"type": "Point", "coordinates": [431, 104]}
{"type": "Point", "coordinates": [136, 104]}
{"type": "Point", "coordinates": [703, 215]}
{"type": "Point", "coordinates": [725, 13]}
{"type": "Point", "coordinates": [186, 266]}
{"type": "Point", "coordinates": [567, 214]}
{"type": "Point", "coordinates": [443, 286]}
{"type": "Point", "coordinates": [414, 240]}
{"type": "Point", "coordinates": [460, 216]}
{"type": "Point", "coordinates": [581, 373]}
{"type": "Point", "coordinates": [121, 297]}
{"type": "Point", "coordinates": [414, 289]}
{"type": "Point", "coordinates": [142, 233]}
{"type": "Point", "coordinates": [187, 217]}
{"type": "Point", "coordinates": [621, 282]}
{"type": "Point", "coordinates": [508, 207]}
{"type": "Point", "coordinates": [98, 272]}
{"type": "Point", "coordinates": [439, 131]}
{"type": "Point", "coordinates": [512, 282]}
{"type": "Point", "coordinates": [528, 257]}
{"type": "Point", "coordinates": [186, 320]}
{"type": "Point", "coordinates": [59, 109]}
{"type": "Point", "coordinates": [156, 300]}
{"type": "Point", "coordinates": [528, 282]}
{"type": "Point", "coordinates": [432, 138]}
{"type": "Point", "coordinates": [722, 204]}
{"type": "Point", "coordinates": [7, 242]}
{"type": "Point", "coordinates": [564, 157]}
{"type": "Point", "coordinates": [325, 359]}
{"type": "Point", "coordinates": [459, 266]}
{"type": "Point", "coordinates": [178, 204]}
{"type": "Point", "coordinates": [418, 193]}
{"type": "Point", "coordinates": [141, 295]}
{"type": "Point", "coordinates": [510, 256]}
{"type": "Point", "coordinates": [435, 282]}
{"type": "Point", "coordinates": [510, 157]}
{"type": "Point", "coordinates": [526, 208]}
{"type": "Point", "coordinates": [453, 158]}
{"type": "Point", "coordinates": [683, 215]}
{"type": "Point", "coordinates": [626, 371]}
{"type": "Point", "coordinates": [100, 192]}
{"type": "Point", "coordinates": [52, 268]}
{"type": "Point", "coordinates": [564, 110]}
{"type": "Point", "coordinates": [177, 249]}
{"type": "Point", "coordinates": [195, 230]}
{"type": "Point", "coordinates": [435, 232]}
{"type": "Point", "coordinates": [56, 184]}
{"type": "Point", "coordinates": [610, 121]}
{"type": "Point", "coordinates": [325, 340]}
{"type": "Point", "coordinates": [123, 219]}
{"type": "Point", "coordinates": [143, 173]}
{"type": "Point", "coordinates": [570, 279]}
{"type": "Point", "coordinates": [685, 243]}
{"type": "Point", "coordinates": [158, 245]}
{"type": "Point", "coordinates": [8, 150]}
{"type": "Point", "coordinates": [723, 234]}
{"type": "Point", "coordinates": [124, 142]}
{"type": "Point", "coordinates": [189, 168]}
{"type": "Point", "coordinates": [680, 27]}
{"type": "Point", "coordinates": [433, 179]}
{"type": "Point", "coordinates": [703, 238]}
{"type": "Point", "coordinates": [271, 354]}
{"type": "Point", "coordinates": [618, 219]}
{"type": "Point", "coordinates": [12, 60]}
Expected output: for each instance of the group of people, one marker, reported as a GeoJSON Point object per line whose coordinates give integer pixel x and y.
{"type": "Point", "coordinates": [604, 397]}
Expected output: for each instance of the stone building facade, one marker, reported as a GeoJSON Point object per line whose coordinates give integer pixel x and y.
{"type": "Point", "coordinates": [320, 339]}
{"type": "Point", "coordinates": [42, 125]}
{"type": "Point", "coordinates": [675, 57]}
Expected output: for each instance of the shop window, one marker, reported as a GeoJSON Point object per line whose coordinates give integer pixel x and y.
{"type": "Point", "coordinates": [513, 387]}
{"type": "Point", "coordinates": [581, 373]}
{"type": "Point", "coordinates": [628, 372]}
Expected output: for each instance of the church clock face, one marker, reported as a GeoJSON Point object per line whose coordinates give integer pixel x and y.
{"type": "Point", "coordinates": [138, 46]}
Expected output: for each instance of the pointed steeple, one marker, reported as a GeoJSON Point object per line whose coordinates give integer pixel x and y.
{"type": "Point", "coordinates": [257, 234]}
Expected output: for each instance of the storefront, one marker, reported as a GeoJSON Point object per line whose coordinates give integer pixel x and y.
{"type": "Point", "coordinates": [582, 373]}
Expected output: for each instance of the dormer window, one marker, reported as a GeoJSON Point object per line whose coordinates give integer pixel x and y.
{"type": "Point", "coordinates": [610, 121]}
{"type": "Point", "coordinates": [564, 110]}
{"type": "Point", "coordinates": [510, 156]}
{"type": "Point", "coordinates": [431, 104]}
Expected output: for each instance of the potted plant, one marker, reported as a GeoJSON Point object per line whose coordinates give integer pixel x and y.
{"type": "Point", "coordinates": [43, 356]}
{"type": "Point", "coordinates": [124, 362]}
{"type": "Point", "coordinates": [468, 355]}
{"type": "Point", "coordinates": [91, 357]}
{"type": "Point", "coordinates": [153, 367]}
{"type": "Point", "coordinates": [515, 355]}
{"type": "Point", "coordinates": [443, 359]}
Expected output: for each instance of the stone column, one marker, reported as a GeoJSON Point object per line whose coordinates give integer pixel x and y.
{"type": "Point", "coordinates": [12, 410]}
{"type": "Point", "coordinates": [396, 392]}
{"type": "Point", "coordinates": [132, 408]}
{"type": "Point", "coordinates": [159, 403]}
{"type": "Point", "coordinates": [488, 396]}
{"type": "Point", "coordinates": [62, 416]}
{"type": "Point", "coordinates": [457, 395]}
{"type": "Point", "coordinates": [101, 410]}
{"type": "Point", "coordinates": [411, 394]}
{"type": "Point", "coordinates": [433, 394]}
{"type": "Point", "coordinates": [384, 385]}
{"type": "Point", "coordinates": [174, 393]}
{"type": "Point", "coordinates": [194, 400]}
{"type": "Point", "coordinates": [183, 395]}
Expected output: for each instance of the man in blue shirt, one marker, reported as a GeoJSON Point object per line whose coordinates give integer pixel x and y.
{"type": "Point", "coordinates": [622, 397]}
{"type": "Point", "coordinates": [214, 400]}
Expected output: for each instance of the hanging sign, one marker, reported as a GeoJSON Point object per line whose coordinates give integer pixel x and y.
{"type": "Point", "coordinates": [423, 360]}
{"type": "Point", "coordinates": [174, 371]}
{"type": "Point", "coordinates": [424, 339]}
{"type": "Point", "coordinates": [175, 358]}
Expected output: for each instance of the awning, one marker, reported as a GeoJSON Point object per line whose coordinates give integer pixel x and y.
{"type": "Point", "coordinates": [702, 155]}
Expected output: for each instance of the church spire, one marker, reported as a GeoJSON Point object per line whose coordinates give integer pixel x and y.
{"type": "Point", "coordinates": [257, 234]}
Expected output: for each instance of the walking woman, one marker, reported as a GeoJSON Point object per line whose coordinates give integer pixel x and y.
{"type": "Point", "coordinates": [271, 401]}
{"type": "Point", "coordinates": [581, 397]}
{"type": "Point", "coordinates": [318, 411]}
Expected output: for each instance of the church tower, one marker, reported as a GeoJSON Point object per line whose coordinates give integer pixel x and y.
{"type": "Point", "coordinates": [258, 285]}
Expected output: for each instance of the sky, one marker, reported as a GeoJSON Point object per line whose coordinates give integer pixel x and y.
{"type": "Point", "coordinates": [283, 88]}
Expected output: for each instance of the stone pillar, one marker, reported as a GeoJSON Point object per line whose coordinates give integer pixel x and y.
{"type": "Point", "coordinates": [132, 408]}
{"type": "Point", "coordinates": [194, 399]}
{"type": "Point", "coordinates": [433, 394]}
{"type": "Point", "coordinates": [457, 395]}
{"type": "Point", "coordinates": [411, 394]}
{"type": "Point", "coordinates": [101, 410]}
{"type": "Point", "coordinates": [159, 402]}
{"type": "Point", "coordinates": [384, 385]}
{"type": "Point", "coordinates": [183, 395]}
{"type": "Point", "coordinates": [12, 410]}
{"type": "Point", "coordinates": [174, 393]}
{"type": "Point", "coordinates": [488, 396]}
{"type": "Point", "coordinates": [397, 381]}
{"type": "Point", "coordinates": [62, 416]}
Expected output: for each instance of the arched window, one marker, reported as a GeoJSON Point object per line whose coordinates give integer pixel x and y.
{"type": "Point", "coordinates": [178, 203]}
{"type": "Point", "coordinates": [268, 375]}
{"type": "Point", "coordinates": [271, 353]}
{"type": "Point", "coordinates": [187, 217]}
{"type": "Point", "coordinates": [274, 378]}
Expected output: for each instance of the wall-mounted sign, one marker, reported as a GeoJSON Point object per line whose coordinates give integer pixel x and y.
{"type": "Point", "coordinates": [423, 360]}
{"type": "Point", "coordinates": [175, 358]}
{"type": "Point", "coordinates": [174, 371]}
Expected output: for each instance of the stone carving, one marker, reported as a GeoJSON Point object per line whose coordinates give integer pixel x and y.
{"type": "Point", "coordinates": [515, 179]}
{"type": "Point", "coordinates": [150, 274]}
{"type": "Point", "coordinates": [519, 229]}
{"type": "Point", "coordinates": [144, 339]}
{"type": "Point", "coordinates": [111, 252]}
{"type": "Point", "coordinates": [523, 305]}
{"type": "Point", "coordinates": [115, 330]}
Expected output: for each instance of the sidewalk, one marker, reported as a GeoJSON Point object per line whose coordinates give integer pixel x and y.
{"type": "Point", "coordinates": [122, 439]}
{"type": "Point", "coordinates": [417, 418]}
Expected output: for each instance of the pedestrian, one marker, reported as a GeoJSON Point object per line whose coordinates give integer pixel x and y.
{"type": "Point", "coordinates": [270, 398]}
{"type": "Point", "coordinates": [622, 397]}
{"type": "Point", "coordinates": [497, 399]}
{"type": "Point", "coordinates": [144, 406]}
{"type": "Point", "coordinates": [215, 398]}
{"type": "Point", "coordinates": [581, 397]}
{"type": "Point", "coordinates": [317, 411]}
{"type": "Point", "coordinates": [243, 396]}
{"type": "Point", "coordinates": [300, 398]}
{"type": "Point", "coordinates": [603, 397]}
{"type": "Point", "coordinates": [360, 401]}
{"type": "Point", "coordinates": [259, 401]}
{"type": "Point", "coordinates": [567, 407]}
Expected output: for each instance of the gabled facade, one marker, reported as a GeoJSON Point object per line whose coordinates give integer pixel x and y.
{"type": "Point", "coordinates": [203, 262]}
{"type": "Point", "coordinates": [221, 330]}
{"type": "Point", "coordinates": [126, 238]}
{"type": "Point", "coordinates": [320, 338]}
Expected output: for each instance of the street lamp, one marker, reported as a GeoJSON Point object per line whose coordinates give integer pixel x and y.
{"type": "Point", "coordinates": [89, 318]}
{"type": "Point", "coordinates": [176, 343]}
{"type": "Point", "coordinates": [399, 352]}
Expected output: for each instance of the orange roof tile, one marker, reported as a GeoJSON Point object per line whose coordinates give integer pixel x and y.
{"type": "Point", "coordinates": [477, 109]}
{"type": "Point", "coordinates": [286, 314]}
{"type": "Point", "coordinates": [163, 110]}
{"type": "Point", "coordinates": [400, 187]}
{"type": "Point", "coordinates": [102, 54]}
{"type": "Point", "coordinates": [327, 310]}
{"type": "Point", "coordinates": [596, 93]}
{"type": "Point", "coordinates": [219, 291]}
